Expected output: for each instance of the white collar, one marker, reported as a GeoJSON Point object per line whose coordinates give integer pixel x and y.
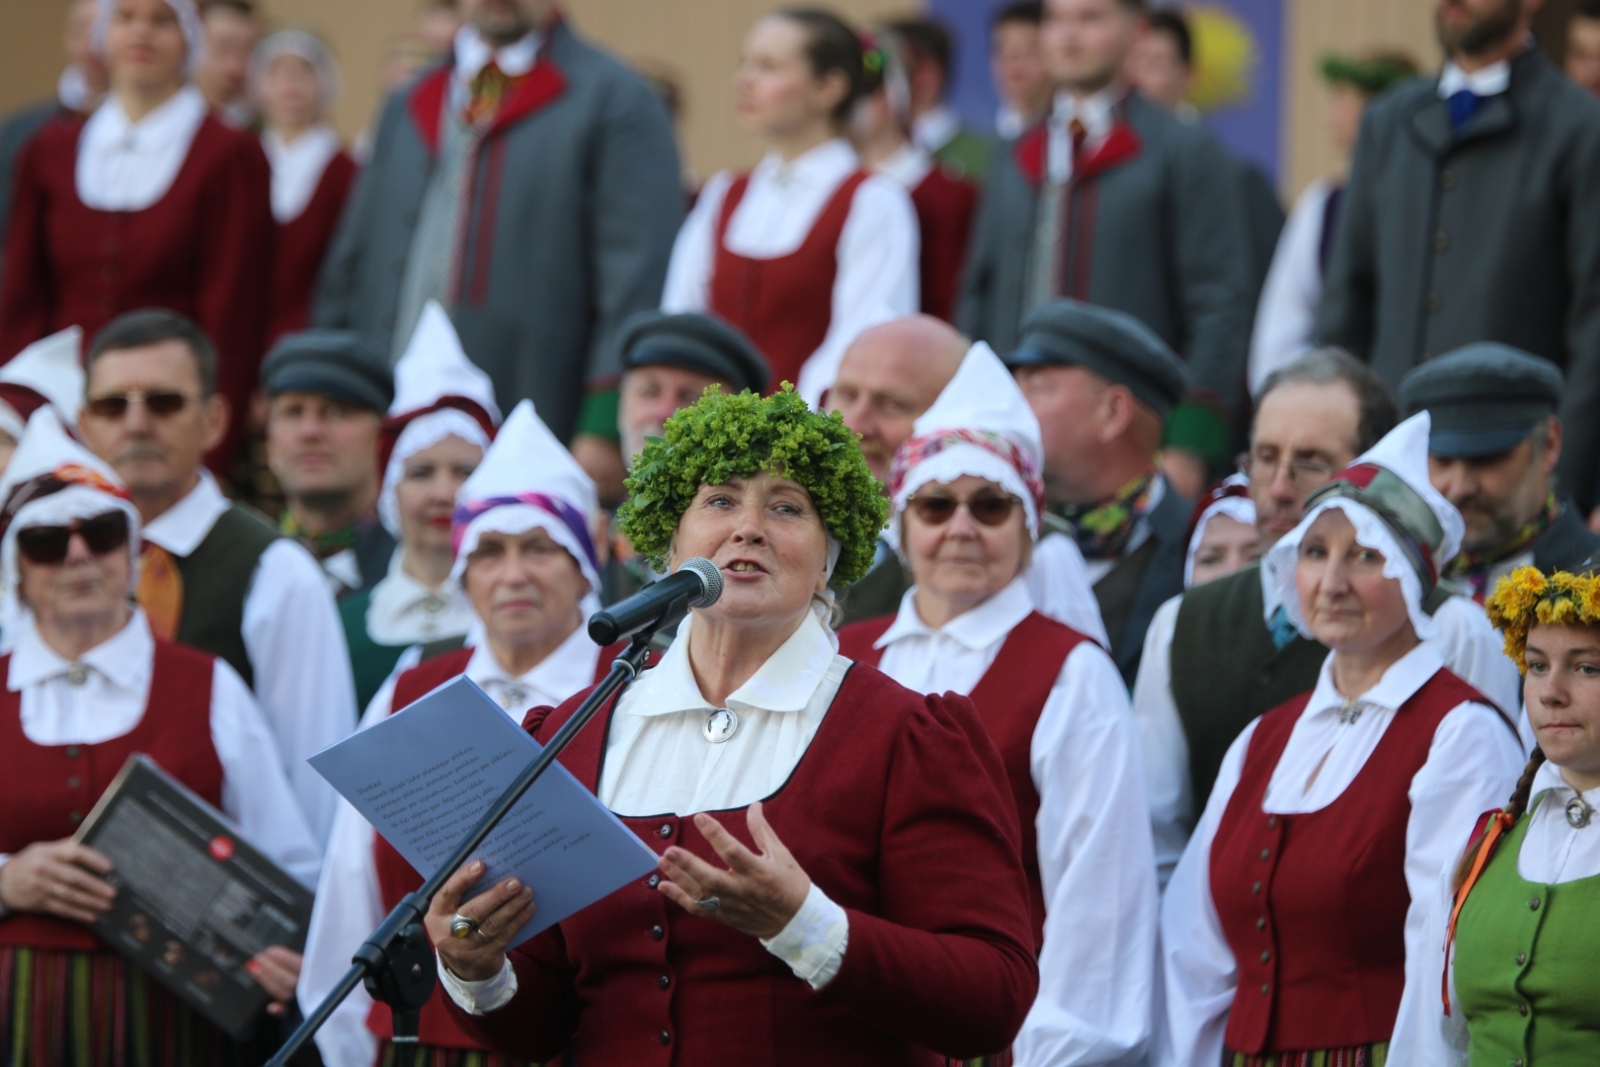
{"type": "Point", "coordinates": [126, 658]}
{"type": "Point", "coordinates": [908, 166]}
{"type": "Point", "coordinates": [403, 610]}
{"type": "Point", "coordinates": [563, 672]}
{"type": "Point", "coordinates": [1094, 111]}
{"type": "Point", "coordinates": [977, 629]}
{"type": "Point", "coordinates": [297, 167]}
{"type": "Point", "coordinates": [473, 54]}
{"type": "Point", "coordinates": [825, 165]}
{"type": "Point", "coordinates": [182, 527]}
{"type": "Point", "coordinates": [124, 165]}
{"type": "Point", "coordinates": [785, 682]}
{"type": "Point", "coordinates": [1399, 683]}
{"type": "Point", "coordinates": [1487, 81]}
{"type": "Point", "coordinates": [1549, 777]}
{"type": "Point", "coordinates": [936, 128]}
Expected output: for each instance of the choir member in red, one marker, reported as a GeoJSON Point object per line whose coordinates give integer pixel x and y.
{"type": "Point", "coordinates": [295, 82]}
{"type": "Point", "coordinates": [806, 250]}
{"type": "Point", "coordinates": [881, 131]}
{"type": "Point", "coordinates": [858, 897]}
{"type": "Point", "coordinates": [86, 686]}
{"type": "Point", "coordinates": [1300, 904]}
{"type": "Point", "coordinates": [967, 496]}
{"type": "Point", "coordinates": [525, 561]}
{"type": "Point", "coordinates": [151, 202]}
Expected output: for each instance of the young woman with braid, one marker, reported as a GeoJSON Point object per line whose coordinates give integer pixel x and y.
{"type": "Point", "coordinates": [1511, 975]}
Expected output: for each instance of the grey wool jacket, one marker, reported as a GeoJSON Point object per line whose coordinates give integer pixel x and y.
{"type": "Point", "coordinates": [1492, 234]}
{"type": "Point", "coordinates": [1157, 229]}
{"type": "Point", "coordinates": [571, 206]}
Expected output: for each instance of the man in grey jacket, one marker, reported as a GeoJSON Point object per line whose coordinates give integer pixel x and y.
{"type": "Point", "coordinates": [530, 184]}
{"type": "Point", "coordinates": [1115, 202]}
{"type": "Point", "coordinates": [1473, 214]}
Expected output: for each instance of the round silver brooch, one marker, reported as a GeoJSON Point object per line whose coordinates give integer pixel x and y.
{"type": "Point", "coordinates": [720, 725]}
{"type": "Point", "coordinates": [77, 674]}
{"type": "Point", "coordinates": [1579, 813]}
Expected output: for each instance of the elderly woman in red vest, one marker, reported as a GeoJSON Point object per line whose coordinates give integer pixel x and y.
{"type": "Point", "coordinates": [966, 492]}
{"type": "Point", "coordinates": [840, 879]}
{"type": "Point", "coordinates": [525, 559]}
{"type": "Point", "coordinates": [87, 686]}
{"type": "Point", "coordinates": [1299, 905]}
{"type": "Point", "coordinates": [806, 250]}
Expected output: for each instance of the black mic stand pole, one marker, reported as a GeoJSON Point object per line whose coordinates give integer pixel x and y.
{"type": "Point", "coordinates": [397, 963]}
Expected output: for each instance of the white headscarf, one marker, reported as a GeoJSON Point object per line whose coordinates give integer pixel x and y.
{"type": "Point", "coordinates": [1240, 509]}
{"type": "Point", "coordinates": [1403, 453]}
{"type": "Point", "coordinates": [194, 32]}
{"type": "Point", "coordinates": [50, 369]}
{"type": "Point", "coordinates": [306, 46]}
{"type": "Point", "coordinates": [528, 479]}
{"type": "Point", "coordinates": [980, 425]}
{"type": "Point", "coordinates": [433, 368]}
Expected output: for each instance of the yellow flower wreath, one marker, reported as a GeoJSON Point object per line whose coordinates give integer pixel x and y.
{"type": "Point", "coordinates": [1526, 596]}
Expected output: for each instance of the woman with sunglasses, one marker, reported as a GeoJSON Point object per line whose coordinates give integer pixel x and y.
{"type": "Point", "coordinates": [87, 686]}
{"type": "Point", "coordinates": [966, 493]}
{"type": "Point", "coordinates": [440, 423]}
{"type": "Point", "coordinates": [524, 562]}
{"type": "Point", "coordinates": [1296, 912]}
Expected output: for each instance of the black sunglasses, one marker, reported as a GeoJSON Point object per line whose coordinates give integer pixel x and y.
{"type": "Point", "coordinates": [47, 545]}
{"type": "Point", "coordinates": [158, 402]}
{"type": "Point", "coordinates": [988, 509]}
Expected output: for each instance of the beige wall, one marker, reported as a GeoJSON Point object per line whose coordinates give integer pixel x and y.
{"type": "Point", "coordinates": [1318, 26]}
{"type": "Point", "coordinates": [698, 40]}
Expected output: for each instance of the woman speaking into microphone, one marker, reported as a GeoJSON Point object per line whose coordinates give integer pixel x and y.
{"type": "Point", "coordinates": [840, 877]}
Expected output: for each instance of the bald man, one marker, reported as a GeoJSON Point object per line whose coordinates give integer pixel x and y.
{"type": "Point", "coordinates": [892, 373]}
{"type": "Point", "coordinates": [887, 378]}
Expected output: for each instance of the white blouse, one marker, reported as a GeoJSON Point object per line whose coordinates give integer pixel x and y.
{"type": "Point", "coordinates": [112, 698]}
{"type": "Point", "coordinates": [124, 165]}
{"type": "Point", "coordinates": [1553, 851]}
{"type": "Point", "coordinates": [292, 634]}
{"type": "Point", "coordinates": [1472, 764]}
{"type": "Point", "coordinates": [1095, 857]}
{"type": "Point", "coordinates": [658, 760]}
{"type": "Point", "coordinates": [297, 168]}
{"type": "Point", "coordinates": [349, 904]}
{"type": "Point", "coordinates": [1471, 648]}
{"type": "Point", "coordinates": [1287, 310]}
{"type": "Point", "coordinates": [403, 611]}
{"type": "Point", "coordinates": [877, 254]}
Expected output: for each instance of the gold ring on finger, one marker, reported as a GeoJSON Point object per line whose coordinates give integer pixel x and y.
{"type": "Point", "coordinates": [461, 926]}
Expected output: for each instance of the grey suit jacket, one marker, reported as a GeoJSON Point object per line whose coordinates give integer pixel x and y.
{"type": "Point", "coordinates": [1492, 235]}
{"type": "Point", "coordinates": [1164, 236]}
{"type": "Point", "coordinates": [574, 205]}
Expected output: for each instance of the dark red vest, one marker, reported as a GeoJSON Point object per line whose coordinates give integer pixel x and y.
{"type": "Point", "coordinates": [303, 242]}
{"type": "Point", "coordinates": [784, 304]}
{"type": "Point", "coordinates": [1010, 698]}
{"type": "Point", "coordinates": [1314, 906]}
{"type": "Point", "coordinates": [945, 207]}
{"type": "Point", "coordinates": [396, 877]}
{"type": "Point", "coordinates": [47, 790]}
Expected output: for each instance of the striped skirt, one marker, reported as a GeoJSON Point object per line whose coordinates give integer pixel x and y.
{"type": "Point", "coordinates": [94, 1009]}
{"type": "Point", "coordinates": [1364, 1056]}
{"type": "Point", "coordinates": [434, 1056]}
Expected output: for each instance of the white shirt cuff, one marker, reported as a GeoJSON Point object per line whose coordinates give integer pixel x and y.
{"type": "Point", "coordinates": [813, 943]}
{"type": "Point", "coordinates": [480, 998]}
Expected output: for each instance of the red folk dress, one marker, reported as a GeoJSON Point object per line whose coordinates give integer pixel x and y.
{"type": "Point", "coordinates": [66, 997]}
{"type": "Point", "coordinates": [945, 207]}
{"type": "Point", "coordinates": [302, 243]}
{"type": "Point", "coordinates": [900, 812]}
{"type": "Point", "coordinates": [204, 249]}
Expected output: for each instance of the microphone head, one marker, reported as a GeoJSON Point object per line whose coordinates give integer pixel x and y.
{"type": "Point", "coordinates": [710, 580]}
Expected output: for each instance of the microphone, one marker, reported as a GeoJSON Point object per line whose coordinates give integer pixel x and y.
{"type": "Point", "coordinates": [697, 583]}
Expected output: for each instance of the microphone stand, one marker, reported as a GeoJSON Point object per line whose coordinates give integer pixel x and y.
{"type": "Point", "coordinates": [397, 962]}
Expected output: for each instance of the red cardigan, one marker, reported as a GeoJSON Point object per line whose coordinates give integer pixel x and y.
{"type": "Point", "coordinates": [945, 207]}
{"type": "Point", "coordinates": [900, 812]}
{"type": "Point", "coordinates": [302, 243]}
{"type": "Point", "coordinates": [203, 249]}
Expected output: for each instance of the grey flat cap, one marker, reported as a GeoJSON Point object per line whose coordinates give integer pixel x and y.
{"type": "Point", "coordinates": [1116, 346]}
{"type": "Point", "coordinates": [331, 363]}
{"type": "Point", "coordinates": [1485, 398]}
{"type": "Point", "coordinates": [695, 342]}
